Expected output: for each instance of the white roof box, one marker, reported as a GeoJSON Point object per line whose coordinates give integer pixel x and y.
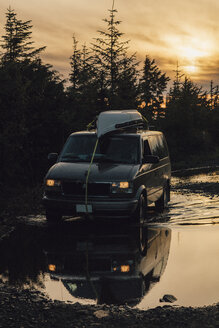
{"type": "Point", "coordinates": [116, 120]}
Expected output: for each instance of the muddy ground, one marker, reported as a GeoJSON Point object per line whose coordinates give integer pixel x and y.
{"type": "Point", "coordinates": [28, 308]}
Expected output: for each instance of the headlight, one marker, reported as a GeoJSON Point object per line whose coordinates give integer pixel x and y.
{"type": "Point", "coordinates": [121, 187]}
{"type": "Point", "coordinates": [53, 183]}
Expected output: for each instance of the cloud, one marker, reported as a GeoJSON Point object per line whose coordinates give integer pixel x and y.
{"type": "Point", "coordinates": [167, 30]}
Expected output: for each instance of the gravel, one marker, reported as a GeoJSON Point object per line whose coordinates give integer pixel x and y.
{"type": "Point", "coordinates": [28, 308]}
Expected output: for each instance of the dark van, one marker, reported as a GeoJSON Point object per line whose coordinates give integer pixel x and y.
{"type": "Point", "coordinates": [116, 177]}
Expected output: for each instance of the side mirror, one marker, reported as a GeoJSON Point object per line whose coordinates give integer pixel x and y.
{"type": "Point", "coordinates": [52, 158]}
{"type": "Point", "coordinates": [150, 159]}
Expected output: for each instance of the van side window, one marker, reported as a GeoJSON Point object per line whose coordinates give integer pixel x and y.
{"type": "Point", "coordinates": [146, 146]}
{"type": "Point", "coordinates": [158, 146]}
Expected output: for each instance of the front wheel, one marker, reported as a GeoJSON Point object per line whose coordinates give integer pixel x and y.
{"type": "Point", "coordinates": [53, 217]}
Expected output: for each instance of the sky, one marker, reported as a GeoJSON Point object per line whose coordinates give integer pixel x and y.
{"type": "Point", "coordinates": [170, 31]}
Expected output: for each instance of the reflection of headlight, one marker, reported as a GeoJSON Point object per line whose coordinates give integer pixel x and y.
{"type": "Point", "coordinates": [121, 187]}
{"type": "Point", "coordinates": [125, 267]}
{"type": "Point", "coordinates": [52, 267]}
{"type": "Point", "coordinates": [121, 268]}
{"type": "Point", "coordinates": [53, 183]}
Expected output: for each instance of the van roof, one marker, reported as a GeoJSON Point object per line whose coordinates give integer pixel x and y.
{"type": "Point", "coordinates": [145, 133]}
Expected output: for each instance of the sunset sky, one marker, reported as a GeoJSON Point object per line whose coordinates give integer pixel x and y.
{"type": "Point", "coordinates": [167, 30]}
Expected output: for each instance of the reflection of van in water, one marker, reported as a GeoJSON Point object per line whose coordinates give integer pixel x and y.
{"type": "Point", "coordinates": [127, 171]}
{"type": "Point", "coordinates": [107, 265]}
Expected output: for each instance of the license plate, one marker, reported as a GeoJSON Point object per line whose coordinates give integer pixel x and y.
{"type": "Point", "coordinates": [81, 208]}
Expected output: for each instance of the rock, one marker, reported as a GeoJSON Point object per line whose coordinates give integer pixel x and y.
{"type": "Point", "coordinates": [101, 314]}
{"type": "Point", "coordinates": [168, 298]}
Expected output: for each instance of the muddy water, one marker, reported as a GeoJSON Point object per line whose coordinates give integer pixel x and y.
{"type": "Point", "coordinates": [175, 253]}
{"type": "Point", "coordinates": [195, 199]}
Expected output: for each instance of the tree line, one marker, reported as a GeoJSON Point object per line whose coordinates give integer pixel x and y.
{"type": "Point", "coordinates": [38, 110]}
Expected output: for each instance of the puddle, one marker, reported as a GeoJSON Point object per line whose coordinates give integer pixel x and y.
{"type": "Point", "coordinates": [176, 253]}
{"type": "Point", "coordinates": [192, 270]}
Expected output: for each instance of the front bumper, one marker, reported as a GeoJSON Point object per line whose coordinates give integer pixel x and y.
{"type": "Point", "coordinates": [100, 207]}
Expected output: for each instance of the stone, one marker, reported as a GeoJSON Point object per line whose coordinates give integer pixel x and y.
{"type": "Point", "coordinates": [168, 298]}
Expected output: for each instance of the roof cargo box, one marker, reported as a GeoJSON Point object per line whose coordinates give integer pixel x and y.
{"type": "Point", "coordinates": [117, 120]}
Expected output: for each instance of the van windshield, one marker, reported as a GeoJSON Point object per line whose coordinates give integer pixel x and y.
{"type": "Point", "coordinates": [112, 149]}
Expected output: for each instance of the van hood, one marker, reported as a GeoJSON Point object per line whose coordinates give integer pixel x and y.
{"type": "Point", "coordinates": [99, 172]}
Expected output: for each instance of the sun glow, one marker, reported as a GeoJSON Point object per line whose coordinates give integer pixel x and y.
{"type": "Point", "coordinates": [189, 51]}
{"type": "Point", "coordinates": [192, 52]}
{"type": "Point", "coordinates": [191, 68]}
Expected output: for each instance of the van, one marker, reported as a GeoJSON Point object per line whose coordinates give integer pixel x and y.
{"type": "Point", "coordinates": [113, 172]}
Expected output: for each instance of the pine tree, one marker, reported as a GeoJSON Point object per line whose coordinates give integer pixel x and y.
{"type": "Point", "coordinates": [128, 86]}
{"type": "Point", "coordinates": [32, 99]}
{"type": "Point", "coordinates": [16, 42]}
{"type": "Point", "coordinates": [82, 92]}
{"type": "Point", "coordinates": [75, 65]}
{"type": "Point", "coordinates": [152, 86]}
{"type": "Point", "coordinates": [175, 90]}
{"type": "Point", "coordinates": [185, 124]}
{"type": "Point", "coordinates": [110, 58]}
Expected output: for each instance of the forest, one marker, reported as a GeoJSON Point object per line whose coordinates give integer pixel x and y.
{"type": "Point", "coordinates": [38, 109]}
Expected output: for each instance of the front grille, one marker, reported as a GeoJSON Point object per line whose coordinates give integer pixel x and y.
{"type": "Point", "coordinates": [78, 188]}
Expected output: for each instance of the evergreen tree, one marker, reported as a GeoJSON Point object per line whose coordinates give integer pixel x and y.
{"type": "Point", "coordinates": [128, 86]}
{"type": "Point", "coordinates": [76, 63]}
{"type": "Point", "coordinates": [16, 42]}
{"type": "Point", "coordinates": [175, 90]}
{"type": "Point", "coordinates": [31, 101]}
{"type": "Point", "coordinates": [185, 121]}
{"type": "Point", "coordinates": [152, 86]}
{"type": "Point", "coordinates": [82, 93]}
{"type": "Point", "coordinates": [111, 60]}
{"type": "Point", "coordinates": [213, 117]}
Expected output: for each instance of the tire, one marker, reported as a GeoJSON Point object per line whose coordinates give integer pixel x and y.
{"type": "Point", "coordinates": [162, 202]}
{"type": "Point", "coordinates": [53, 217]}
{"type": "Point", "coordinates": [140, 213]}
